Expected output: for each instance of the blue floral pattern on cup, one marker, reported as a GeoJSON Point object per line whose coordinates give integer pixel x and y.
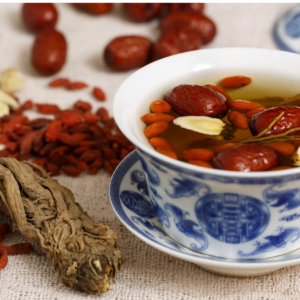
{"type": "Point", "coordinates": [195, 211]}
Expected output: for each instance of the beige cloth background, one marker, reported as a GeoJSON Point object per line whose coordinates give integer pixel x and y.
{"type": "Point", "coordinates": [149, 274]}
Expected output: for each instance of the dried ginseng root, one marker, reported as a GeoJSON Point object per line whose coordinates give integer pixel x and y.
{"type": "Point", "coordinates": [83, 253]}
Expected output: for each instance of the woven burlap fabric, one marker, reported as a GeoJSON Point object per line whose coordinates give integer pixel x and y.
{"type": "Point", "coordinates": [149, 274]}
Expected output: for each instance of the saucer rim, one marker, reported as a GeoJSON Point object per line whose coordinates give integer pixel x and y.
{"type": "Point", "coordinates": [127, 163]}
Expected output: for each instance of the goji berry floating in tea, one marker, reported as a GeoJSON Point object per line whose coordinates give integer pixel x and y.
{"type": "Point", "coordinates": [206, 126]}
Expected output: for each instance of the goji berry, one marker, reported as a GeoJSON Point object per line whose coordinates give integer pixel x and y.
{"type": "Point", "coordinates": [280, 168]}
{"type": "Point", "coordinates": [79, 136]}
{"type": "Point", "coordinates": [13, 136]}
{"type": "Point", "coordinates": [71, 159]}
{"type": "Point", "coordinates": [96, 165]}
{"type": "Point", "coordinates": [22, 129]}
{"type": "Point", "coordinates": [91, 119]}
{"type": "Point", "coordinates": [82, 165]}
{"type": "Point", "coordinates": [198, 154]}
{"type": "Point", "coordinates": [41, 162]}
{"type": "Point", "coordinates": [238, 120]}
{"type": "Point", "coordinates": [26, 143]}
{"type": "Point", "coordinates": [80, 150]}
{"type": "Point", "coordinates": [96, 132]}
{"type": "Point", "coordinates": [87, 143]}
{"type": "Point", "coordinates": [109, 154]}
{"type": "Point", "coordinates": [115, 147]}
{"type": "Point", "coordinates": [90, 155]}
{"type": "Point", "coordinates": [131, 148]}
{"type": "Point", "coordinates": [26, 156]}
{"type": "Point", "coordinates": [77, 85]}
{"type": "Point", "coordinates": [59, 82]}
{"type": "Point", "coordinates": [160, 142]}
{"type": "Point", "coordinates": [4, 153]}
{"type": "Point", "coordinates": [156, 129]}
{"type": "Point", "coordinates": [200, 163]}
{"type": "Point", "coordinates": [254, 111]}
{"type": "Point", "coordinates": [244, 106]}
{"type": "Point", "coordinates": [155, 117]}
{"type": "Point", "coordinates": [283, 148]}
{"type": "Point", "coordinates": [123, 153]}
{"type": "Point", "coordinates": [26, 106]}
{"type": "Point", "coordinates": [85, 106]}
{"type": "Point", "coordinates": [235, 82]}
{"type": "Point", "coordinates": [18, 248]}
{"type": "Point", "coordinates": [38, 123]}
{"type": "Point", "coordinates": [69, 118]}
{"type": "Point", "coordinates": [53, 131]}
{"type": "Point", "coordinates": [61, 150]}
{"type": "Point", "coordinates": [72, 171]}
{"type": "Point", "coordinates": [58, 159]}
{"type": "Point", "coordinates": [45, 151]}
{"type": "Point", "coordinates": [167, 152]}
{"type": "Point", "coordinates": [47, 109]}
{"type": "Point", "coordinates": [38, 140]}
{"type": "Point", "coordinates": [3, 258]}
{"type": "Point", "coordinates": [4, 228]}
{"type": "Point", "coordinates": [160, 106]}
{"type": "Point", "coordinates": [103, 113]}
{"type": "Point", "coordinates": [115, 163]}
{"type": "Point", "coordinates": [82, 127]}
{"type": "Point", "coordinates": [12, 146]}
{"type": "Point", "coordinates": [108, 167]}
{"type": "Point", "coordinates": [68, 139]}
{"type": "Point", "coordinates": [110, 123]}
{"type": "Point", "coordinates": [53, 169]}
{"type": "Point", "coordinates": [99, 94]}
{"type": "Point", "coordinates": [119, 141]}
{"type": "Point", "coordinates": [226, 146]}
{"type": "Point", "coordinates": [4, 138]}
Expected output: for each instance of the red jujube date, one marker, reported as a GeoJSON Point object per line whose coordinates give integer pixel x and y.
{"type": "Point", "coordinates": [127, 52]}
{"type": "Point", "coordinates": [178, 39]}
{"type": "Point", "coordinates": [142, 12]}
{"type": "Point", "coordinates": [205, 27]}
{"type": "Point", "coordinates": [246, 158]}
{"type": "Point", "coordinates": [95, 8]}
{"type": "Point", "coordinates": [197, 100]}
{"type": "Point", "coordinates": [49, 52]}
{"type": "Point", "coordinates": [37, 16]}
{"type": "Point", "coordinates": [189, 7]}
{"type": "Point", "coordinates": [289, 120]}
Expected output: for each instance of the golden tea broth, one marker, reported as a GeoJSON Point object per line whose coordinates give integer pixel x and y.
{"type": "Point", "coordinates": [264, 92]}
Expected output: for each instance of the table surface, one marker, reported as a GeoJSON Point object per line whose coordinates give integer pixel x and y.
{"type": "Point", "coordinates": [149, 274]}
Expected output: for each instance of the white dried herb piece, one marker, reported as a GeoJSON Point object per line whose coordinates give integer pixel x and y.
{"type": "Point", "coordinates": [9, 100]}
{"type": "Point", "coordinates": [296, 158]}
{"type": "Point", "coordinates": [12, 80]}
{"type": "Point", "coordinates": [4, 109]}
{"type": "Point", "coordinates": [208, 126]}
{"type": "Point", "coordinates": [2, 147]}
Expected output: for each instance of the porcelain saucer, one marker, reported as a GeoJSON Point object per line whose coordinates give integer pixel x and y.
{"type": "Point", "coordinates": [133, 208]}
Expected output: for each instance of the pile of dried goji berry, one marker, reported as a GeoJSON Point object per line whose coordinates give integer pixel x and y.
{"type": "Point", "coordinates": [74, 141]}
{"type": "Point", "coordinates": [10, 250]}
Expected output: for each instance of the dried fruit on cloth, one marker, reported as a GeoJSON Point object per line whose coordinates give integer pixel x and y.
{"type": "Point", "coordinates": [83, 253]}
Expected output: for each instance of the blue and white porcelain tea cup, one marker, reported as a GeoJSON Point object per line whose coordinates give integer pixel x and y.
{"type": "Point", "coordinates": [220, 213]}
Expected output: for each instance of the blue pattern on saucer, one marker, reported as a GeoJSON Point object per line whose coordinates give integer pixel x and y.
{"type": "Point", "coordinates": [142, 223]}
